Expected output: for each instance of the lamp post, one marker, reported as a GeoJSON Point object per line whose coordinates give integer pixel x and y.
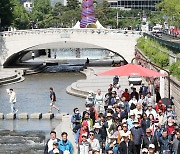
{"type": "Point", "coordinates": [149, 62]}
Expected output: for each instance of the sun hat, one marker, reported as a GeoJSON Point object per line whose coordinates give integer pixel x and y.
{"type": "Point", "coordinates": [109, 115]}
{"type": "Point", "coordinates": [96, 125]}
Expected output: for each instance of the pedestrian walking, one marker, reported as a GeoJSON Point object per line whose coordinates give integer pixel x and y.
{"type": "Point", "coordinates": [12, 100]}
{"type": "Point", "coordinates": [53, 100]}
{"type": "Point", "coordinates": [33, 55]}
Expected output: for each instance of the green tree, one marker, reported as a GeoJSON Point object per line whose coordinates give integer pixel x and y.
{"type": "Point", "coordinates": [42, 14]}
{"type": "Point", "coordinates": [20, 16]}
{"type": "Point", "coordinates": [72, 4]}
{"type": "Point", "coordinates": [6, 15]}
{"type": "Point", "coordinates": [171, 8]}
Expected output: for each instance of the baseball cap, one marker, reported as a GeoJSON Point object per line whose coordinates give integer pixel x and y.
{"type": "Point", "coordinates": [55, 143]}
{"type": "Point", "coordinates": [144, 150]}
{"type": "Point", "coordinates": [85, 134]}
{"type": "Point", "coordinates": [152, 146]}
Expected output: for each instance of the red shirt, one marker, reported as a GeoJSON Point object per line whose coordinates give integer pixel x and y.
{"type": "Point", "coordinates": [126, 95]}
{"type": "Point", "coordinates": [160, 106]}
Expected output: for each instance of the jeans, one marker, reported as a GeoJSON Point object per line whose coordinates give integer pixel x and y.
{"type": "Point", "coordinates": [13, 108]}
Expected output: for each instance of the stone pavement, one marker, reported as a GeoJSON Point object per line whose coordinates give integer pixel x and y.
{"type": "Point", "coordinates": [94, 82]}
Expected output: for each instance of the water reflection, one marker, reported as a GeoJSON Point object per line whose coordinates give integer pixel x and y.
{"type": "Point", "coordinates": [33, 96]}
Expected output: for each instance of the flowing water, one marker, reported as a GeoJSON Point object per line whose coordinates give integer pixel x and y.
{"type": "Point", "coordinates": [27, 136]}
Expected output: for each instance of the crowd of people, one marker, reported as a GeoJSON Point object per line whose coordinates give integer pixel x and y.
{"type": "Point", "coordinates": [128, 121]}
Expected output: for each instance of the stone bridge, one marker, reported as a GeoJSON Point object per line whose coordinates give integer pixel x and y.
{"type": "Point", "coordinates": [15, 44]}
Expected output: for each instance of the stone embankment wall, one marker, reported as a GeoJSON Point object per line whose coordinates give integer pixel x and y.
{"type": "Point", "coordinates": [174, 85]}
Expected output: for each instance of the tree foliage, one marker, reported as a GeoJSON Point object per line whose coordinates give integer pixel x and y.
{"type": "Point", "coordinates": [171, 9]}
{"type": "Point", "coordinates": [6, 15]}
{"type": "Point", "coordinates": [20, 16]}
{"type": "Point", "coordinates": [73, 4]}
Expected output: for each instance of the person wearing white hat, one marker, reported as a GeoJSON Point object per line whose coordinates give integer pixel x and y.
{"type": "Point", "coordinates": [112, 144]}
{"type": "Point", "coordinates": [130, 120]}
{"type": "Point", "coordinates": [137, 134]}
{"type": "Point", "coordinates": [144, 151]}
{"type": "Point", "coordinates": [127, 146]}
{"type": "Point", "coordinates": [151, 149]}
{"type": "Point", "coordinates": [84, 147]}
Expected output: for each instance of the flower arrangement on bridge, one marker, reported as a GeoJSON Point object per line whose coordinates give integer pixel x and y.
{"type": "Point", "coordinates": [87, 14]}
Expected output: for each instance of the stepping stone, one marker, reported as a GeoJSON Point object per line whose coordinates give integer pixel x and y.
{"type": "Point", "coordinates": [23, 116]}
{"type": "Point", "coordinates": [59, 116]}
{"type": "Point", "coordinates": [36, 116]}
{"type": "Point", "coordinates": [10, 116]}
{"type": "Point", "coordinates": [48, 116]}
{"type": "Point", "coordinates": [1, 116]}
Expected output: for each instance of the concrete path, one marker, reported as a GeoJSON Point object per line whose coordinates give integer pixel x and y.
{"type": "Point", "coordinates": [94, 82]}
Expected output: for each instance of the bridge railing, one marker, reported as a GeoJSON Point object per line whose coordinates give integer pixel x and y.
{"type": "Point", "coordinates": [68, 30]}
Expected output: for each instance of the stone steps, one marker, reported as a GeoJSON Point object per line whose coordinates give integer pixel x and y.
{"type": "Point", "coordinates": [33, 116]}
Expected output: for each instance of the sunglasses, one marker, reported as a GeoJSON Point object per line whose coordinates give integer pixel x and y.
{"type": "Point", "coordinates": [91, 134]}
{"type": "Point", "coordinates": [148, 132]}
{"type": "Point", "coordinates": [124, 126]}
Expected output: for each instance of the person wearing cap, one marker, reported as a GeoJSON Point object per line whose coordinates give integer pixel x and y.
{"type": "Point", "coordinates": [99, 103]}
{"type": "Point", "coordinates": [89, 99]}
{"type": "Point", "coordinates": [83, 130]}
{"type": "Point", "coordinates": [121, 132]}
{"type": "Point", "coordinates": [49, 143]}
{"type": "Point", "coordinates": [127, 146]}
{"type": "Point", "coordinates": [112, 145]}
{"type": "Point", "coordinates": [126, 95]}
{"type": "Point", "coordinates": [137, 135]}
{"type": "Point", "coordinates": [109, 121]}
{"type": "Point", "coordinates": [170, 127]}
{"type": "Point", "coordinates": [55, 149]}
{"type": "Point", "coordinates": [144, 151]}
{"type": "Point", "coordinates": [160, 106]}
{"type": "Point", "coordinates": [95, 146]}
{"type": "Point", "coordinates": [65, 145]}
{"type": "Point", "coordinates": [170, 113]}
{"type": "Point", "coordinates": [150, 110]}
{"type": "Point", "coordinates": [98, 134]}
{"type": "Point", "coordinates": [84, 147]}
{"type": "Point", "coordinates": [149, 139]}
{"type": "Point", "coordinates": [76, 117]}
{"type": "Point", "coordinates": [115, 80]}
{"type": "Point", "coordinates": [130, 120]}
{"type": "Point", "coordinates": [151, 149]}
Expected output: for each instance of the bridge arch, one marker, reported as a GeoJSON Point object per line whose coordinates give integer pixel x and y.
{"type": "Point", "coordinates": [15, 44]}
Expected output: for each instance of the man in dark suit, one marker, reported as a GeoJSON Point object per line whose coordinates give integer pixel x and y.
{"type": "Point", "coordinates": [143, 89]}
{"type": "Point", "coordinates": [149, 139]}
{"type": "Point", "coordinates": [127, 146]}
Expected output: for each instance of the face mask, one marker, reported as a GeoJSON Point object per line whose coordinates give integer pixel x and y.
{"type": "Point", "coordinates": [136, 126]}
{"type": "Point", "coordinates": [170, 124]}
{"type": "Point", "coordinates": [168, 109]}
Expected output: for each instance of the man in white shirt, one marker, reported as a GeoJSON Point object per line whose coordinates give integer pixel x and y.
{"type": "Point", "coordinates": [49, 144]}
{"type": "Point", "coordinates": [95, 146]}
{"type": "Point", "coordinates": [12, 100]}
